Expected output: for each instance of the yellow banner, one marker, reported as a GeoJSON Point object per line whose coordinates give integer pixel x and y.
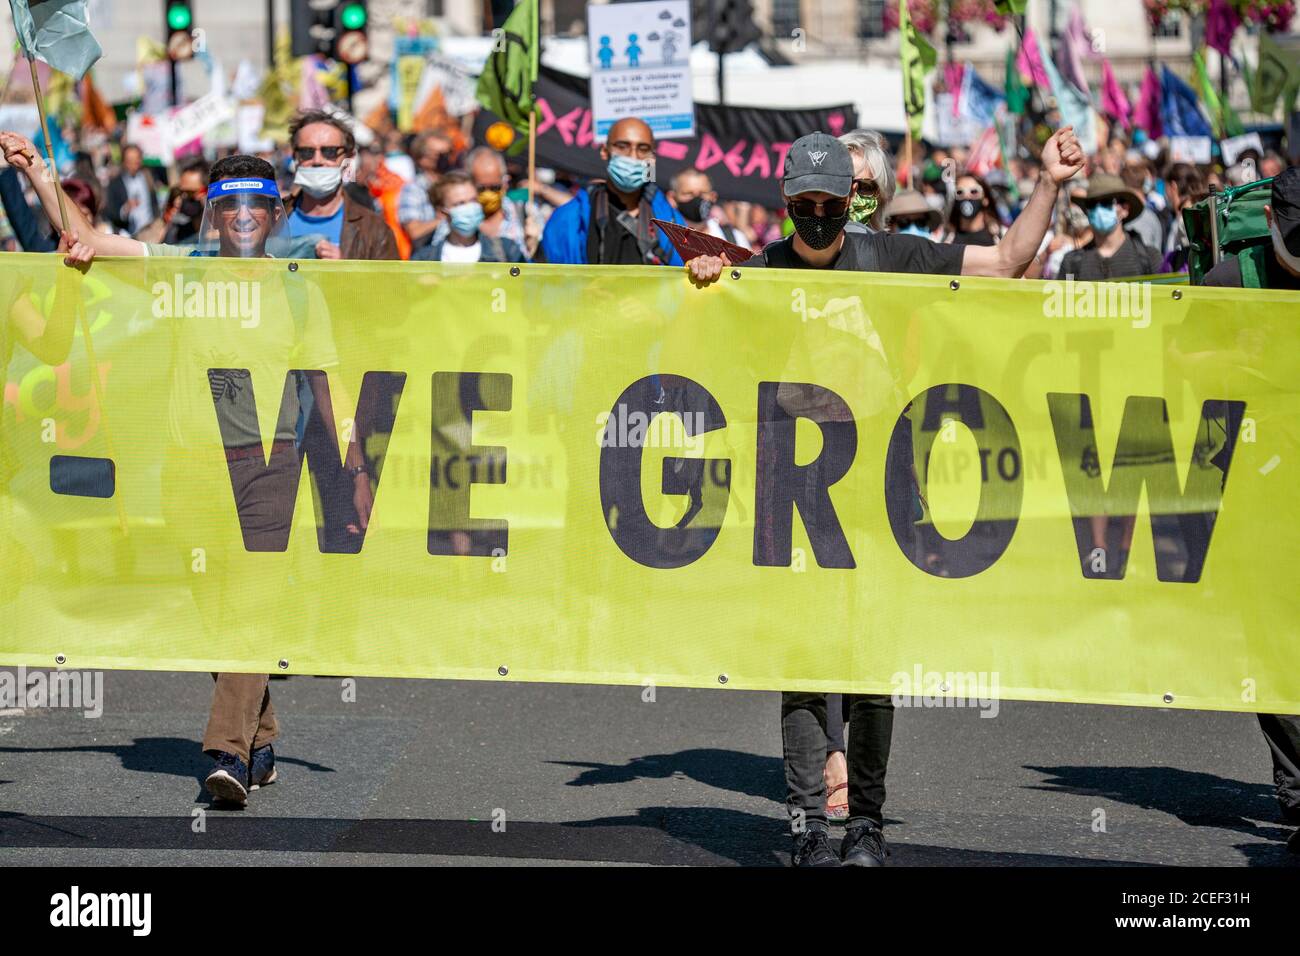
{"type": "Point", "coordinates": [820, 481]}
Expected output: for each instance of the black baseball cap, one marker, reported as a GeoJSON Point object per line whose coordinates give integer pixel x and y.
{"type": "Point", "coordinates": [818, 163]}
{"type": "Point", "coordinates": [1285, 202]}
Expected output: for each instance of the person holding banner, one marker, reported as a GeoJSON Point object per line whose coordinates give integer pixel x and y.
{"type": "Point", "coordinates": [243, 217]}
{"type": "Point", "coordinates": [609, 222]}
{"type": "Point", "coordinates": [818, 186]}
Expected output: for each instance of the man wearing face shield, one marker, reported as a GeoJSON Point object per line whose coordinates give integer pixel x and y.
{"type": "Point", "coordinates": [608, 223]}
{"type": "Point", "coordinates": [319, 206]}
{"type": "Point", "coordinates": [818, 186]}
{"type": "Point", "coordinates": [242, 219]}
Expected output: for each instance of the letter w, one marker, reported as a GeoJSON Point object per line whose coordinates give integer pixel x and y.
{"type": "Point", "coordinates": [1182, 516]}
{"type": "Point", "coordinates": [266, 488]}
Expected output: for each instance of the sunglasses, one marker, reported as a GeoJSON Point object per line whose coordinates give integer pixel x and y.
{"type": "Point", "coordinates": [831, 208]}
{"type": "Point", "coordinates": [493, 188]}
{"type": "Point", "coordinates": [908, 223]}
{"type": "Point", "coordinates": [307, 153]}
{"type": "Point", "coordinates": [974, 192]}
{"type": "Point", "coordinates": [866, 187]}
{"type": "Point", "coordinates": [229, 208]}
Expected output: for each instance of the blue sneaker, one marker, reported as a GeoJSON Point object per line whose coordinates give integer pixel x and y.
{"type": "Point", "coordinates": [261, 772]}
{"type": "Point", "coordinates": [227, 780]}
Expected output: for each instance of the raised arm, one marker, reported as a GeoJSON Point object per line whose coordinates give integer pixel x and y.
{"type": "Point", "coordinates": [20, 153]}
{"type": "Point", "coordinates": [1062, 158]}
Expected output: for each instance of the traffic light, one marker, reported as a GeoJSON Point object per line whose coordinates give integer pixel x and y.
{"type": "Point", "coordinates": [731, 25]}
{"type": "Point", "coordinates": [179, 22]}
{"type": "Point", "coordinates": [352, 42]}
{"type": "Point", "coordinates": [333, 28]}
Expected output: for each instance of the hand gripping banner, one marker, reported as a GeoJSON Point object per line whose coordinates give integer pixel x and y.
{"type": "Point", "coordinates": [820, 481]}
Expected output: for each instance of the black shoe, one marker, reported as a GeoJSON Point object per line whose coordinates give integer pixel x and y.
{"type": "Point", "coordinates": [814, 849]}
{"type": "Point", "coordinates": [864, 845]}
{"type": "Point", "coordinates": [261, 768]}
{"type": "Point", "coordinates": [228, 781]}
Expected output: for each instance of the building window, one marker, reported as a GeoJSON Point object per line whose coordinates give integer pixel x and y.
{"type": "Point", "coordinates": [785, 17]}
{"type": "Point", "coordinates": [871, 19]}
{"type": "Point", "coordinates": [1171, 25]}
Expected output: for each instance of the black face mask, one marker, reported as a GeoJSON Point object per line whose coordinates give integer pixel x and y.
{"type": "Point", "coordinates": [818, 231]}
{"type": "Point", "coordinates": [696, 209]}
{"type": "Point", "coordinates": [968, 208]}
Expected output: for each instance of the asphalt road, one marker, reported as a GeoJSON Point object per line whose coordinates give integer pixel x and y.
{"type": "Point", "coordinates": [416, 771]}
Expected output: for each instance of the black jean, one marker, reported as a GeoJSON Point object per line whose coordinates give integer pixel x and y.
{"type": "Point", "coordinates": [803, 740]}
{"type": "Point", "coordinates": [1283, 734]}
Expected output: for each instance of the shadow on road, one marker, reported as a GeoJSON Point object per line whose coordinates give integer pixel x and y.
{"type": "Point", "coordinates": [1197, 799]}
{"type": "Point", "coordinates": [663, 836]}
{"type": "Point", "coordinates": [733, 770]}
{"type": "Point", "coordinates": [172, 756]}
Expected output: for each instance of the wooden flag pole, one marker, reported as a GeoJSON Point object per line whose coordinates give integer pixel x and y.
{"type": "Point", "coordinates": [532, 153]}
{"type": "Point", "coordinates": [49, 145]}
{"type": "Point", "coordinates": [82, 319]}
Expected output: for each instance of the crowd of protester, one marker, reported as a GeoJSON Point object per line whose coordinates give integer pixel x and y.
{"type": "Point", "coordinates": [1052, 213]}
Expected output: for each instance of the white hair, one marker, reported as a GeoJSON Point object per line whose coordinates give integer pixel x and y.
{"type": "Point", "coordinates": [873, 149]}
{"type": "Point", "coordinates": [478, 151]}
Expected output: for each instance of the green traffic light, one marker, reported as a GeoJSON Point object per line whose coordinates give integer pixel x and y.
{"type": "Point", "coordinates": [353, 16]}
{"type": "Point", "coordinates": [179, 17]}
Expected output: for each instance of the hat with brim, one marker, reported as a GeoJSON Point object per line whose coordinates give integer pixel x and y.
{"type": "Point", "coordinates": [909, 204]}
{"type": "Point", "coordinates": [1103, 187]}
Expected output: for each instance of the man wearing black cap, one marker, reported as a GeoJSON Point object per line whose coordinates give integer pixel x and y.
{"type": "Point", "coordinates": [1258, 267]}
{"type": "Point", "coordinates": [818, 186]}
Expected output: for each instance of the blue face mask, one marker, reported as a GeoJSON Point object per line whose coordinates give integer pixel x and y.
{"type": "Point", "coordinates": [627, 174]}
{"type": "Point", "coordinates": [914, 229]}
{"type": "Point", "coordinates": [465, 218]}
{"type": "Point", "coordinates": [1103, 219]}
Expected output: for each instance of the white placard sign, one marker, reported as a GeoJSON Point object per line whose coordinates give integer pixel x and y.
{"type": "Point", "coordinates": [640, 66]}
{"type": "Point", "coordinates": [1190, 149]}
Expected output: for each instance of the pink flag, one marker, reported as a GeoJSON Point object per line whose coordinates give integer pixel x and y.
{"type": "Point", "coordinates": [953, 74]}
{"type": "Point", "coordinates": [1146, 115]}
{"type": "Point", "coordinates": [1075, 46]}
{"type": "Point", "coordinates": [985, 154]}
{"type": "Point", "coordinates": [1113, 101]}
{"type": "Point", "coordinates": [1030, 63]}
{"type": "Point", "coordinates": [1221, 22]}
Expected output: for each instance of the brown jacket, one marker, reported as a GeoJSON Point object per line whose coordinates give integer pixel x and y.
{"type": "Point", "coordinates": [365, 235]}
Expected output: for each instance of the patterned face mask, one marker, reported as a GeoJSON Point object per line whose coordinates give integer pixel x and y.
{"type": "Point", "coordinates": [863, 208]}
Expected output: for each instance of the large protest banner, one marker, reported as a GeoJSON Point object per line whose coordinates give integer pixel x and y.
{"type": "Point", "coordinates": [742, 148]}
{"type": "Point", "coordinates": [786, 480]}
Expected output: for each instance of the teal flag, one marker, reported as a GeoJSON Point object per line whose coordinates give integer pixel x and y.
{"type": "Point", "coordinates": [56, 32]}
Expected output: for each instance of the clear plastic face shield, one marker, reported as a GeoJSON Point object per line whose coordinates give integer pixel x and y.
{"type": "Point", "coordinates": [241, 217]}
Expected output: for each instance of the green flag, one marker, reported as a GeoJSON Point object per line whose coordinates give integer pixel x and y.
{"type": "Point", "coordinates": [918, 58]}
{"type": "Point", "coordinates": [1222, 115]}
{"type": "Point", "coordinates": [506, 86]}
{"type": "Point", "coordinates": [56, 32]}
{"type": "Point", "coordinates": [1278, 74]}
{"type": "Point", "coordinates": [1010, 8]}
{"type": "Point", "coordinates": [1016, 91]}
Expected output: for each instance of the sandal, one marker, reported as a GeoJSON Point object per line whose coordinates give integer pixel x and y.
{"type": "Point", "coordinates": [837, 812]}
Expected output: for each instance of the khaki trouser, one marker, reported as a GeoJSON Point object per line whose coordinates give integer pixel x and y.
{"type": "Point", "coordinates": [242, 718]}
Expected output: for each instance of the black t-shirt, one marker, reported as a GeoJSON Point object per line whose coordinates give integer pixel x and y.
{"type": "Point", "coordinates": [619, 247]}
{"type": "Point", "coordinates": [1133, 258]}
{"type": "Point", "coordinates": [1227, 274]}
{"type": "Point", "coordinates": [980, 237]}
{"type": "Point", "coordinates": [872, 252]}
